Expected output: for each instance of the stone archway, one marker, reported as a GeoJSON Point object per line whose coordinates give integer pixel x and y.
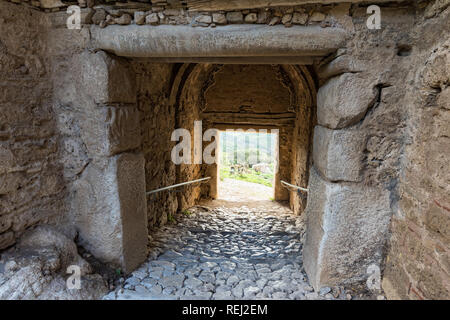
{"type": "Point", "coordinates": [337, 201]}
{"type": "Point", "coordinates": [82, 111]}
{"type": "Point", "coordinates": [214, 94]}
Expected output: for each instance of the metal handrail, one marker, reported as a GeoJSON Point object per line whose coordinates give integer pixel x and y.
{"type": "Point", "coordinates": [178, 185]}
{"type": "Point", "coordinates": [292, 186]}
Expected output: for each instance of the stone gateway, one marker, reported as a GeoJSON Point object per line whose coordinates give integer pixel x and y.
{"type": "Point", "coordinates": [87, 115]}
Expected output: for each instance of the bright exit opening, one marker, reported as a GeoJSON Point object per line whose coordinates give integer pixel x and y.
{"type": "Point", "coordinates": [248, 162]}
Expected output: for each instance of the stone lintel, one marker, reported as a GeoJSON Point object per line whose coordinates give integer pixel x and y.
{"type": "Point", "coordinates": [167, 41]}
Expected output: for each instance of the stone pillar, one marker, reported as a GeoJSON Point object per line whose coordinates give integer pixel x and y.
{"type": "Point", "coordinates": [284, 148]}
{"type": "Point", "coordinates": [109, 202]}
{"type": "Point", "coordinates": [347, 220]}
{"type": "Point", "coordinates": [347, 226]}
{"type": "Point", "coordinates": [213, 172]}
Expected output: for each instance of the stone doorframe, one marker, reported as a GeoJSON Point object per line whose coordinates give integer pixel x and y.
{"type": "Point", "coordinates": [108, 201]}
{"type": "Point", "coordinates": [194, 80]}
{"type": "Point", "coordinates": [347, 222]}
{"type": "Point", "coordinates": [280, 193]}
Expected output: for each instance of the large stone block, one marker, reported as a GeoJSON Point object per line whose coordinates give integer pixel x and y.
{"type": "Point", "coordinates": [338, 154]}
{"type": "Point", "coordinates": [111, 210]}
{"type": "Point", "coordinates": [341, 64]}
{"type": "Point", "coordinates": [107, 79]}
{"type": "Point", "coordinates": [347, 229]}
{"type": "Point", "coordinates": [344, 100]}
{"type": "Point", "coordinates": [111, 130]}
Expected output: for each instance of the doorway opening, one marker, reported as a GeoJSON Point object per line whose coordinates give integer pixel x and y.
{"type": "Point", "coordinates": [248, 163]}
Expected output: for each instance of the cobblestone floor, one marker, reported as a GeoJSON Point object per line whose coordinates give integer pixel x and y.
{"type": "Point", "coordinates": [226, 250]}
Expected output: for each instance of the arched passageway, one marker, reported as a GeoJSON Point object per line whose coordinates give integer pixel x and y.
{"type": "Point", "coordinates": [233, 249]}
{"type": "Point", "coordinates": [147, 103]}
{"type": "Point", "coordinates": [250, 97]}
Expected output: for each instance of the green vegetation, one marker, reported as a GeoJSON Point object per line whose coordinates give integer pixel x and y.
{"type": "Point", "coordinates": [246, 148]}
{"type": "Point", "coordinates": [241, 150]}
{"type": "Point", "coordinates": [187, 212]}
{"type": "Point", "coordinates": [249, 176]}
{"type": "Point", "coordinates": [170, 218]}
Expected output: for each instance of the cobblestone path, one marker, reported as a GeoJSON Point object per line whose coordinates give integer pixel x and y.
{"type": "Point", "coordinates": [225, 250]}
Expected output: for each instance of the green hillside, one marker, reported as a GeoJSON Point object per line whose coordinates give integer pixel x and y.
{"type": "Point", "coordinates": [247, 148]}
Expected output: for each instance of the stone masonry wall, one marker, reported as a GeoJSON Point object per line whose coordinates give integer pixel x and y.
{"type": "Point", "coordinates": [31, 182]}
{"type": "Point", "coordinates": [386, 154]}
{"type": "Point", "coordinates": [357, 147]}
{"type": "Point", "coordinates": [157, 124]}
{"type": "Point", "coordinates": [70, 144]}
{"type": "Point", "coordinates": [188, 112]}
{"type": "Point", "coordinates": [418, 262]}
{"type": "Point", "coordinates": [154, 13]}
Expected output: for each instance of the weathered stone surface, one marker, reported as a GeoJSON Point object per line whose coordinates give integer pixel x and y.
{"type": "Point", "coordinates": [204, 19]}
{"type": "Point", "coordinates": [219, 18]}
{"type": "Point", "coordinates": [341, 64]}
{"type": "Point", "coordinates": [123, 19]}
{"type": "Point", "coordinates": [299, 18]}
{"type": "Point", "coordinates": [251, 18]}
{"type": "Point", "coordinates": [7, 239]}
{"type": "Point", "coordinates": [417, 263]}
{"type": "Point", "coordinates": [274, 21]}
{"type": "Point", "coordinates": [29, 157]}
{"type": "Point", "coordinates": [317, 17]}
{"type": "Point", "coordinates": [173, 12]}
{"type": "Point", "coordinates": [235, 17]}
{"type": "Point", "coordinates": [49, 4]}
{"type": "Point", "coordinates": [110, 130]}
{"type": "Point", "coordinates": [344, 100]}
{"type": "Point", "coordinates": [37, 269]}
{"type": "Point", "coordinates": [139, 17]}
{"type": "Point", "coordinates": [107, 79]}
{"type": "Point", "coordinates": [347, 228]}
{"type": "Point", "coordinates": [111, 210]}
{"type": "Point", "coordinates": [6, 159]}
{"type": "Point", "coordinates": [245, 4]}
{"type": "Point", "coordinates": [231, 40]}
{"type": "Point", "coordinates": [407, 128]}
{"type": "Point", "coordinates": [204, 254]}
{"type": "Point", "coordinates": [99, 16]}
{"type": "Point", "coordinates": [437, 71]}
{"type": "Point", "coordinates": [263, 17]}
{"type": "Point", "coordinates": [157, 122]}
{"type": "Point", "coordinates": [287, 18]}
{"type": "Point", "coordinates": [338, 154]}
{"type": "Point", "coordinates": [152, 19]}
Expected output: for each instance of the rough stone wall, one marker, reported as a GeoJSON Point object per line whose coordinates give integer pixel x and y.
{"type": "Point", "coordinates": [255, 97]}
{"type": "Point", "coordinates": [357, 147]}
{"type": "Point", "coordinates": [305, 120]}
{"type": "Point", "coordinates": [94, 101]}
{"type": "Point", "coordinates": [418, 262]}
{"type": "Point", "coordinates": [385, 153]}
{"type": "Point", "coordinates": [105, 13]}
{"type": "Point", "coordinates": [31, 182]}
{"type": "Point", "coordinates": [188, 108]}
{"type": "Point", "coordinates": [285, 150]}
{"type": "Point", "coordinates": [157, 125]}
